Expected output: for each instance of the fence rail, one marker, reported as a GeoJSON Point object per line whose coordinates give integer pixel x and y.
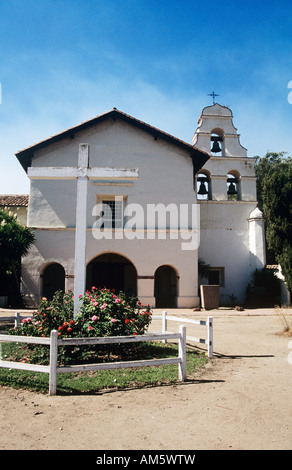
{"type": "Point", "coordinates": [164, 317]}
{"type": "Point", "coordinates": [16, 318]}
{"type": "Point", "coordinates": [54, 342]}
{"type": "Point", "coordinates": [208, 323]}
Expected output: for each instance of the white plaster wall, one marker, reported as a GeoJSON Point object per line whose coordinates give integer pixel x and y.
{"type": "Point", "coordinates": [165, 173]}
{"type": "Point", "coordinates": [165, 176]}
{"type": "Point", "coordinates": [224, 242]}
{"type": "Point", "coordinates": [52, 203]}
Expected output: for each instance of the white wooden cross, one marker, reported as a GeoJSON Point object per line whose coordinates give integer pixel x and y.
{"type": "Point", "coordinates": [82, 173]}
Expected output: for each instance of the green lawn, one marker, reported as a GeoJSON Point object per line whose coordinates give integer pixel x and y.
{"type": "Point", "coordinates": [91, 382]}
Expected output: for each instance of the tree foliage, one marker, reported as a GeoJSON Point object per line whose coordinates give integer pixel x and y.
{"type": "Point", "coordinates": [15, 241]}
{"type": "Point", "coordinates": [274, 187]}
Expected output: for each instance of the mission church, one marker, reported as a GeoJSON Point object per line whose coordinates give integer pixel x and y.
{"type": "Point", "coordinates": [120, 164]}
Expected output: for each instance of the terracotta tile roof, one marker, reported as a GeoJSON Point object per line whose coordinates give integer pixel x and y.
{"type": "Point", "coordinates": [14, 200]}
{"type": "Point", "coordinates": [24, 156]}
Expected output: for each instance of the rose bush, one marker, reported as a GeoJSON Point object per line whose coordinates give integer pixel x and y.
{"type": "Point", "coordinates": [102, 312]}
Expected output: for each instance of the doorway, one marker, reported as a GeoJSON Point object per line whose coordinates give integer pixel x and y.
{"type": "Point", "coordinates": [165, 287]}
{"type": "Point", "coordinates": [112, 271]}
{"type": "Point", "coordinates": [53, 280]}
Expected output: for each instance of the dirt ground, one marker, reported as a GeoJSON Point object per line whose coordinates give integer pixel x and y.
{"type": "Point", "coordinates": [242, 400]}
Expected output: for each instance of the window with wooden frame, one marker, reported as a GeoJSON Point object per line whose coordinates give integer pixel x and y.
{"type": "Point", "coordinates": [112, 211]}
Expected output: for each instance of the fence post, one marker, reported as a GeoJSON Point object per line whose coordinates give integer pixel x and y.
{"type": "Point", "coordinates": [182, 353]}
{"type": "Point", "coordinates": [53, 362]}
{"type": "Point", "coordinates": [210, 337]}
{"type": "Point", "coordinates": [17, 319]}
{"type": "Point", "coordinates": [164, 324]}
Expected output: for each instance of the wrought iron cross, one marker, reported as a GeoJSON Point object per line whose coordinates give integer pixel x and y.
{"type": "Point", "coordinates": [213, 94]}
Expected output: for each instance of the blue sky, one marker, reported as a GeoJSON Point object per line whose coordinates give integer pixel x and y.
{"type": "Point", "coordinates": [66, 61]}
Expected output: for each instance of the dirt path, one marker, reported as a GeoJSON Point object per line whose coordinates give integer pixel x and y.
{"type": "Point", "coordinates": [242, 400]}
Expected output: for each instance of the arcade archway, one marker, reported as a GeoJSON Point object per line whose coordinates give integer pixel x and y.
{"type": "Point", "coordinates": [112, 271]}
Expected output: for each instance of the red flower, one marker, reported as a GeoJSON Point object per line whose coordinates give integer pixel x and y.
{"type": "Point", "coordinates": [127, 321]}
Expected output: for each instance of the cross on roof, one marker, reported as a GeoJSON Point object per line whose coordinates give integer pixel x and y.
{"type": "Point", "coordinates": [213, 94]}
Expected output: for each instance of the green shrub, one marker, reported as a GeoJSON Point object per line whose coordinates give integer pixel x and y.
{"type": "Point", "coordinates": [102, 312]}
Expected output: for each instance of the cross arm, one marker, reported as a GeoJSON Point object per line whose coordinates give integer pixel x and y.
{"type": "Point", "coordinates": [74, 172]}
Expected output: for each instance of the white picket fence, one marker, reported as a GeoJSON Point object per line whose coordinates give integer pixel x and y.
{"type": "Point", "coordinates": [16, 318]}
{"type": "Point", "coordinates": [54, 342]}
{"type": "Point", "coordinates": [208, 323]}
{"type": "Point", "coordinates": [164, 317]}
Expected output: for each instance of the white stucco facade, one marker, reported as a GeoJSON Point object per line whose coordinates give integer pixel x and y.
{"type": "Point", "coordinates": [136, 164]}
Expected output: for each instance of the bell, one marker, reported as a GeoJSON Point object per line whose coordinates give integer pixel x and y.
{"type": "Point", "coordinates": [216, 147]}
{"type": "Point", "coordinates": [231, 190]}
{"type": "Point", "coordinates": [202, 191]}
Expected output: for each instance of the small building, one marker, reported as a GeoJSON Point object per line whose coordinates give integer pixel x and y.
{"type": "Point", "coordinates": [17, 204]}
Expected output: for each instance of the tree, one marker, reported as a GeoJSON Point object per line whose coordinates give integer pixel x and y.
{"type": "Point", "coordinates": [15, 242]}
{"type": "Point", "coordinates": [274, 187]}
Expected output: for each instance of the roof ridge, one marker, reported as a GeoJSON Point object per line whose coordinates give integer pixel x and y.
{"type": "Point", "coordinates": [24, 156]}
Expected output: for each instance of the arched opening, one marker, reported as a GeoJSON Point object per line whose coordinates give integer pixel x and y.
{"type": "Point", "coordinates": [204, 186]}
{"type": "Point", "coordinates": [233, 186]}
{"type": "Point", "coordinates": [217, 142]}
{"type": "Point", "coordinates": [112, 271]}
{"type": "Point", "coordinates": [165, 287]}
{"type": "Point", "coordinates": [53, 278]}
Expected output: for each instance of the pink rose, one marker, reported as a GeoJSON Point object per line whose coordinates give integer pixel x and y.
{"type": "Point", "coordinates": [118, 301]}
{"type": "Point", "coordinates": [94, 318]}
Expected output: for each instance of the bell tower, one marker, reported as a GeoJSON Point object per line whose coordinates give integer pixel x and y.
{"type": "Point", "coordinates": [231, 227]}
{"type": "Point", "coordinates": [216, 133]}
{"type": "Point", "coordinates": [231, 175]}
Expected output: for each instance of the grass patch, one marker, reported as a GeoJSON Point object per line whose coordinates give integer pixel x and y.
{"type": "Point", "coordinates": [94, 381]}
